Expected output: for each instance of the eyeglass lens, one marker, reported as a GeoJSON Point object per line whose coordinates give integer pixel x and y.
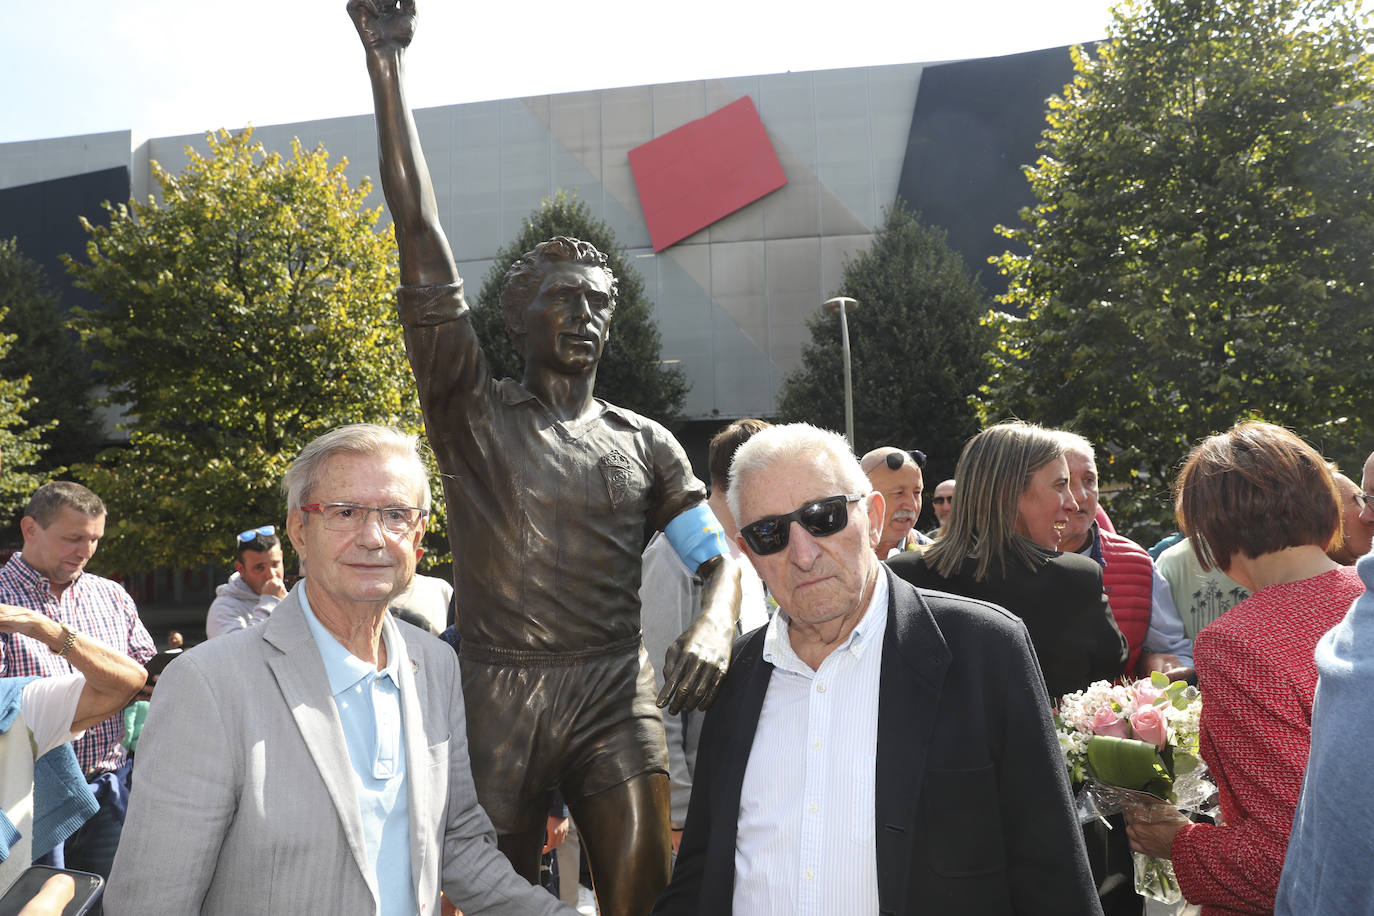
{"type": "Point", "coordinates": [348, 517]}
{"type": "Point", "coordinates": [821, 518]}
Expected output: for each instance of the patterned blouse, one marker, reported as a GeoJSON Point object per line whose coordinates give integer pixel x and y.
{"type": "Point", "coordinates": [1258, 676]}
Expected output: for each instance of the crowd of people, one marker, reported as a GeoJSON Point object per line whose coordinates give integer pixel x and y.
{"type": "Point", "coordinates": [849, 692]}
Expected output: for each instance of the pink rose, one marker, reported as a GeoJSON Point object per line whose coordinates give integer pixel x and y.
{"type": "Point", "coordinates": [1148, 726]}
{"type": "Point", "coordinates": [1145, 695]}
{"type": "Point", "coordinates": [1106, 722]}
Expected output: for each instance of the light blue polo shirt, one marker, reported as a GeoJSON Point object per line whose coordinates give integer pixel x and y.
{"type": "Point", "coordinates": [369, 704]}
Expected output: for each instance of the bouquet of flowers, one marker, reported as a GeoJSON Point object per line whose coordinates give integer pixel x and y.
{"type": "Point", "coordinates": [1120, 740]}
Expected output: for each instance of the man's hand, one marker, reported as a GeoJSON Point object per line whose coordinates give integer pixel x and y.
{"type": "Point", "coordinates": [24, 622]}
{"type": "Point", "coordinates": [383, 24]}
{"type": "Point", "coordinates": [1171, 666]}
{"type": "Point", "coordinates": [695, 664]}
{"type": "Point", "coordinates": [274, 586]}
{"type": "Point", "coordinates": [1152, 828]}
{"type": "Point", "coordinates": [555, 832]}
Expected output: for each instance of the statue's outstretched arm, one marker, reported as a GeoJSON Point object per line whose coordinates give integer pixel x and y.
{"type": "Point", "coordinates": [386, 28]}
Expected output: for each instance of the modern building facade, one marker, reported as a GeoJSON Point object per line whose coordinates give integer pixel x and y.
{"type": "Point", "coordinates": [732, 299]}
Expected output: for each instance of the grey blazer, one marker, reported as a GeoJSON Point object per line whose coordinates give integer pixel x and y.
{"type": "Point", "coordinates": [245, 803]}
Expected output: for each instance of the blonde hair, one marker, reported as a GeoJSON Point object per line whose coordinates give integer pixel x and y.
{"type": "Point", "coordinates": [993, 471]}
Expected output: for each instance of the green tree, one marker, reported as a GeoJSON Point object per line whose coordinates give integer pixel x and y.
{"type": "Point", "coordinates": [630, 374]}
{"type": "Point", "coordinates": [916, 343]}
{"type": "Point", "coordinates": [248, 311]}
{"type": "Point", "coordinates": [21, 444]}
{"type": "Point", "coordinates": [60, 378]}
{"type": "Point", "coordinates": [1200, 249]}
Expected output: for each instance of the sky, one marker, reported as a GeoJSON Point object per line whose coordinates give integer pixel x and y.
{"type": "Point", "coordinates": [170, 67]}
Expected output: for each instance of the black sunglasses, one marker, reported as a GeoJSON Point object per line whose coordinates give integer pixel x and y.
{"type": "Point", "coordinates": [822, 518]}
{"type": "Point", "coordinates": [941, 500]}
{"type": "Point", "coordinates": [895, 460]}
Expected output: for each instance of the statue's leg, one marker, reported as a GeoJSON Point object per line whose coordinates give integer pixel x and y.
{"type": "Point", "coordinates": [524, 852]}
{"type": "Point", "coordinates": [513, 763]}
{"type": "Point", "coordinates": [625, 831]}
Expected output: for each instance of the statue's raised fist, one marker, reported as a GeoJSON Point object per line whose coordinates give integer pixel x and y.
{"type": "Point", "coordinates": [383, 24]}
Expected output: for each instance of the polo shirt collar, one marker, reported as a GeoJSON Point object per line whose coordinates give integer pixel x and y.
{"type": "Point", "coordinates": [512, 392]}
{"type": "Point", "coordinates": [343, 668]}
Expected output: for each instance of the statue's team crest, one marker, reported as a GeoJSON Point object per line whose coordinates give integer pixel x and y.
{"type": "Point", "coordinates": [615, 470]}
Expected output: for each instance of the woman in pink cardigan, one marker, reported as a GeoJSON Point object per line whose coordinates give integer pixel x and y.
{"type": "Point", "coordinates": [1258, 503]}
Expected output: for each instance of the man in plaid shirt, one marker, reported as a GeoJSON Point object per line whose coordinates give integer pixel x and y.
{"type": "Point", "coordinates": [62, 526]}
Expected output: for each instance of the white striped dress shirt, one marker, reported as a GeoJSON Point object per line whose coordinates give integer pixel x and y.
{"type": "Point", "coordinates": [805, 841]}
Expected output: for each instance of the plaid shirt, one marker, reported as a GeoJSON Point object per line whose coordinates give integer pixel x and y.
{"type": "Point", "coordinates": [93, 606]}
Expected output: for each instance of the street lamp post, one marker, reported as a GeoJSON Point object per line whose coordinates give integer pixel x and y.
{"type": "Point", "coordinates": [843, 305]}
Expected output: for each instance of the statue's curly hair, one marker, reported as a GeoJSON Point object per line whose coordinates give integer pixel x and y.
{"type": "Point", "coordinates": [522, 280]}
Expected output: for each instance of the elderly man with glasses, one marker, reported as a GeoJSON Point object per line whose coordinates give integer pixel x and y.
{"type": "Point", "coordinates": [256, 586]}
{"type": "Point", "coordinates": [874, 748]}
{"type": "Point", "coordinates": [318, 763]}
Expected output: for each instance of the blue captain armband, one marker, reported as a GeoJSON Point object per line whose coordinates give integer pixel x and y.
{"type": "Point", "coordinates": [697, 536]}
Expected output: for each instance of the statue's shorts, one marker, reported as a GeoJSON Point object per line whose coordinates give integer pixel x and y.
{"type": "Point", "coordinates": [582, 722]}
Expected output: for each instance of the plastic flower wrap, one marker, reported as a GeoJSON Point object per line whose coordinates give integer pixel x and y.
{"type": "Point", "coordinates": [1119, 740]}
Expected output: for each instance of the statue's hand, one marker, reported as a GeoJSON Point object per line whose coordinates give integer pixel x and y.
{"type": "Point", "coordinates": [695, 664]}
{"type": "Point", "coordinates": [383, 24]}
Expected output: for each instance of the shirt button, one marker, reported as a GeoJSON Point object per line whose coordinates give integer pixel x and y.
{"type": "Point", "coordinates": [814, 808]}
{"type": "Point", "coordinates": [820, 688]}
{"type": "Point", "coordinates": [810, 875]}
{"type": "Point", "coordinates": [816, 746]}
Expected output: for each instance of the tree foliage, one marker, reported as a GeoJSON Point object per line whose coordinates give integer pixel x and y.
{"type": "Point", "coordinates": [248, 311]}
{"type": "Point", "coordinates": [916, 345]}
{"type": "Point", "coordinates": [21, 445]}
{"type": "Point", "coordinates": [630, 374]}
{"type": "Point", "coordinates": [1200, 249]}
{"type": "Point", "coordinates": [60, 378]}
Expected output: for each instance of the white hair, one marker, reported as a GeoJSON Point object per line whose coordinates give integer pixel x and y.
{"type": "Point", "coordinates": [792, 440]}
{"type": "Point", "coordinates": [368, 439]}
{"type": "Point", "coordinates": [1073, 442]}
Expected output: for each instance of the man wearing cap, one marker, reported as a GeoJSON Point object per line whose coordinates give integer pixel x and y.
{"type": "Point", "coordinates": [254, 589]}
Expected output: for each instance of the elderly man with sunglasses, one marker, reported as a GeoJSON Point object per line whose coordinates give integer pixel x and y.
{"type": "Point", "coordinates": [254, 589]}
{"type": "Point", "coordinates": [874, 748]}
{"type": "Point", "coordinates": [318, 763]}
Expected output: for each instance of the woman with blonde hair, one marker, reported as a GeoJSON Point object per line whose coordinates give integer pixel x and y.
{"type": "Point", "coordinates": [1001, 545]}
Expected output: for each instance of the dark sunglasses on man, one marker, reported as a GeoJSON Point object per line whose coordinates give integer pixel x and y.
{"type": "Point", "coordinates": [821, 518]}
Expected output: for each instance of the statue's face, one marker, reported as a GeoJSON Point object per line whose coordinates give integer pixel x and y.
{"type": "Point", "coordinates": [568, 321]}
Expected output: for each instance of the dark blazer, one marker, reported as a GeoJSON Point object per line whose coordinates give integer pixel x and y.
{"type": "Point", "coordinates": [1062, 604]}
{"type": "Point", "coordinates": [972, 806]}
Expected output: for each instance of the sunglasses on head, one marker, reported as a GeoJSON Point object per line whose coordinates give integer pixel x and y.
{"type": "Point", "coordinates": [895, 460]}
{"type": "Point", "coordinates": [265, 531]}
{"type": "Point", "coordinates": [821, 518]}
